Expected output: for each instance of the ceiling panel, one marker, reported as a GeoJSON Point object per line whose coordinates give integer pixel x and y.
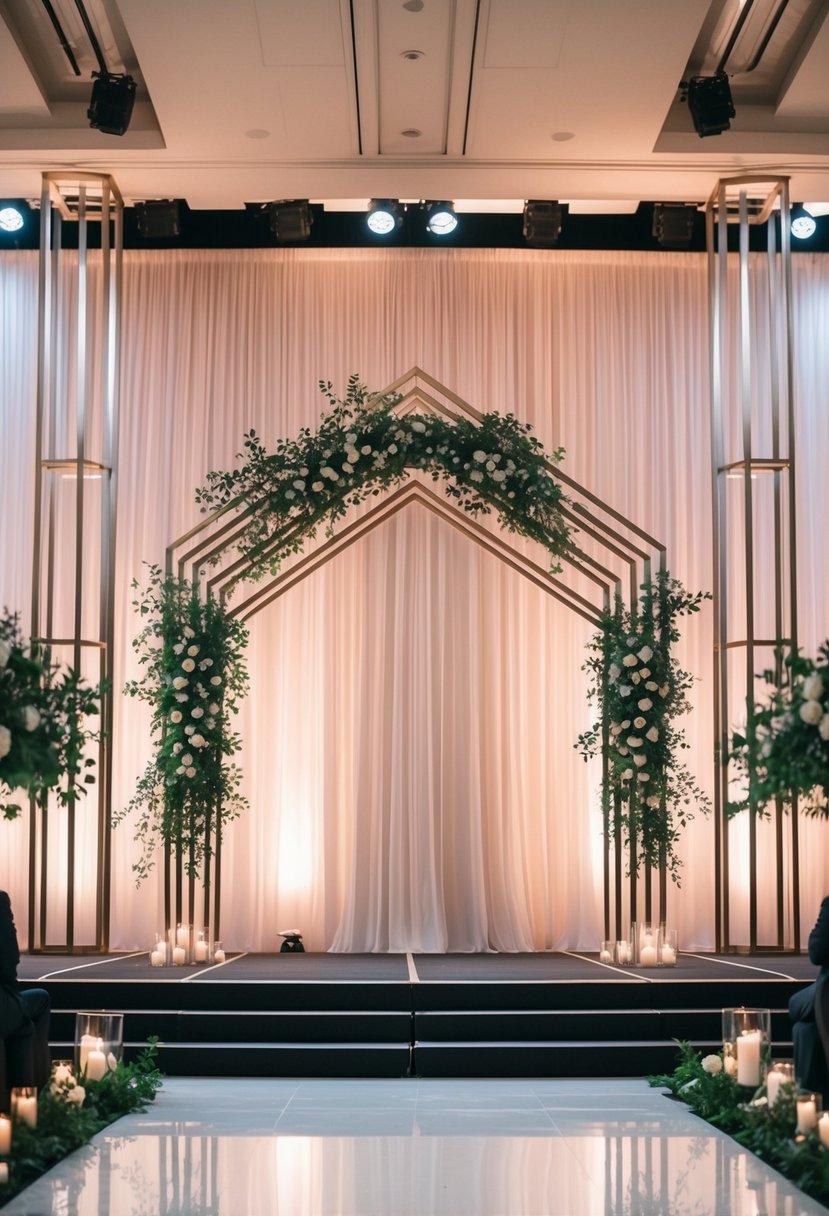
{"type": "Point", "coordinates": [19, 91]}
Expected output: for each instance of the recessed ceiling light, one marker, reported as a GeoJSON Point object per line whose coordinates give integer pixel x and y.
{"type": "Point", "coordinates": [561, 137]}
{"type": "Point", "coordinates": [411, 55]}
{"type": "Point", "coordinates": [257, 133]}
{"type": "Point", "coordinates": [413, 6]}
{"type": "Point", "coordinates": [411, 133]}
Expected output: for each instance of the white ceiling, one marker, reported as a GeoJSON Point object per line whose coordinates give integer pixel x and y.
{"type": "Point", "coordinates": [578, 100]}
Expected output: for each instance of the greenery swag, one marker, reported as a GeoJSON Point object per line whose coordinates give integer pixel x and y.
{"type": "Point", "coordinates": [70, 1114]}
{"type": "Point", "coordinates": [767, 1131]}
{"type": "Point", "coordinates": [194, 676]}
{"type": "Point", "coordinates": [362, 448]}
{"type": "Point", "coordinates": [789, 753]}
{"type": "Point", "coordinates": [640, 690]}
{"type": "Point", "coordinates": [43, 724]}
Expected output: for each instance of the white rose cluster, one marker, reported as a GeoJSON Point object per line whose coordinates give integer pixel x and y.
{"type": "Point", "coordinates": [811, 710]}
{"type": "Point", "coordinates": [624, 674]}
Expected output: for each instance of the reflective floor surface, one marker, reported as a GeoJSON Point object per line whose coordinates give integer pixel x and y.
{"type": "Point", "coordinates": [412, 1148]}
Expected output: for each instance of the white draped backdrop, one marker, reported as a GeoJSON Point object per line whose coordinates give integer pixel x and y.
{"type": "Point", "coordinates": [408, 740]}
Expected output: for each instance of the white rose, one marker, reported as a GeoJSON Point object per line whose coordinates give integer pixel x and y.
{"type": "Point", "coordinates": [479, 456]}
{"type": "Point", "coordinates": [188, 632]}
{"type": "Point", "coordinates": [730, 1065]}
{"type": "Point", "coordinates": [181, 697]}
{"type": "Point", "coordinates": [499, 475]}
{"type": "Point", "coordinates": [180, 682]}
{"type": "Point", "coordinates": [824, 727]}
{"type": "Point", "coordinates": [645, 654]}
{"type": "Point", "coordinates": [206, 663]}
{"type": "Point", "coordinates": [614, 671]}
{"type": "Point", "coordinates": [645, 672]}
{"type": "Point", "coordinates": [652, 735]}
{"type": "Point", "coordinates": [197, 712]}
{"type": "Point", "coordinates": [629, 660]}
{"type": "Point", "coordinates": [635, 677]}
{"type": "Point", "coordinates": [645, 704]}
{"type": "Point", "coordinates": [615, 728]}
{"type": "Point", "coordinates": [652, 686]}
{"type": "Point", "coordinates": [640, 761]}
{"type": "Point", "coordinates": [5, 741]}
{"type": "Point", "coordinates": [299, 484]}
{"type": "Point", "coordinates": [215, 680]}
{"type": "Point", "coordinates": [179, 646]}
{"type": "Point", "coordinates": [192, 650]}
{"type": "Point", "coordinates": [476, 475]}
{"type": "Point", "coordinates": [623, 751]}
{"type": "Point", "coordinates": [627, 775]}
{"type": "Point", "coordinates": [290, 494]}
{"type": "Point", "coordinates": [417, 426]}
{"type": "Point", "coordinates": [177, 748]}
{"type": "Point", "coordinates": [813, 688]}
{"type": "Point", "coordinates": [644, 777]}
{"type": "Point", "coordinates": [653, 800]}
{"type": "Point", "coordinates": [303, 472]}
{"type": "Point", "coordinates": [625, 690]}
{"type": "Point", "coordinates": [197, 740]}
{"type": "Point", "coordinates": [316, 486]}
{"type": "Point", "coordinates": [634, 741]}
{"type": "Point", "coordinates": [712, 1064]}
{"type": "Point", "coordinates": [810, 711]}
{"type": "Point", "coordinates": [188, 665]}
{"type": "Point", "coordinates": [189, 729]}
{"type": "Point", "coordinates": [212, 708]}
{"type": "Point", "coordinates": [639, 723]}
{"type": "Point", "coordinates": [191, 772]}
{"type": "Point", "coordinates": [366, 449]}
{"type": "Point", "coordinates": [76, 1095]}
{"type": "Point", "coordinates": [5, 652]}
{"type": "Point", "coordinates": [664, 690]}
{"type": "Point", "coordinates": [175, 716]}
{"type": "Point", "coordinates": [31, 718]}
{"type": "Point", "coordinates": [187, 760]}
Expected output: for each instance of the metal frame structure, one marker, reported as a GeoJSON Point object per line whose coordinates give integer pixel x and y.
{"type": "Point", "coordinates": [612, 557]}
{"type": "Point", "coordinates": [76, 437]}
{"type": "Point", "coordinates": [752, 440]}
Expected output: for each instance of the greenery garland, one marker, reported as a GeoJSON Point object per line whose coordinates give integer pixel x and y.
{"type": "Point", "coordinates": [362, 448]}
{"type": "Point", "coordinates": [786, 751]}
{"type": "Point", "coordinates": [768, 1131]}
{"type": "Point", "coordinates": [70, 1114]}
{"type": "Point", "coordinates": [194, 676]}
{"type": "Point", "coordinates": [43, 730]}
{"type": "Point", "coordinates": [640, 690]}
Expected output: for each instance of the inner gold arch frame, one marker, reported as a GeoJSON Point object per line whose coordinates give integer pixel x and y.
{"type": "Point", "coordinates": [630, 552]}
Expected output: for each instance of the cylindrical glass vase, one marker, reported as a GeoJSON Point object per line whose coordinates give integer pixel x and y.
{"type": "Point", "coordinates": [24, 1105]}
{"type": "Point", "coordinates": [667, 948]}
{"type": "Point", "coordinates": [778, 1076]}
{"type": "Point", "coordinates": [808, 1110]}
{"type": "Point", "coordinates": [99, 1044]}
{"type": "Point", "coordinates": [747, 1045]}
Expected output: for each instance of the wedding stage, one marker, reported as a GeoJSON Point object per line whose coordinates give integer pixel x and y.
{"type": "Point", "coordinates": [394, 1015]}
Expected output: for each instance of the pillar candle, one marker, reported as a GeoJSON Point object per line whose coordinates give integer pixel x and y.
{"type": "Point", "coordinates": [96, 1063]}
{"type": "Point", "coordinates": [605, 957]}
{"type": "Point", "coordinates": [179, 956]}
{"type": "Point", "coordinates": [823, 1128]}
{"type": "Point", "coordinates": [806, 1115]}
{"type": "Point", "coordinates": [4, 1173]}
{"type": "Point", "coordinates": [773, 1082]}
{"type": "Point", "coordinates": [748, 1058]}
{"type": "Point", "coordinates": [25, 1109]}
{"type": "Point", "coordinates": [201, 951]}
{"type": "Point", "coordinates": [182, 936]}
{"type": "Point", "coordinates": [647, 956]}
{"type": "Point", "coordinates": [88, 1042]}
{"type": "Point", "coordinates": [156, 959]}
{"type": "Point", "coordinates": [5, 1135]}
{"type": "Point", "coordinates": [668, 956]}
{"type": "Point", "coordinates": [219, 956]}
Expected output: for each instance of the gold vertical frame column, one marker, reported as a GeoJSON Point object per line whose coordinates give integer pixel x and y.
{"type": "Point", "coordinates": [741, 303]}
{"type": "Point", "coordinates": [76, 436]}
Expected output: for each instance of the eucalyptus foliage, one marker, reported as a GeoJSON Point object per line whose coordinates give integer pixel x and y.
{"type": "Point", "coordinates": [786, 749]}
{"type": "Point", "coordinates": [44, 724]}
{"type": "Point", "coordinates": [768, 1131]}
{"type": "Point", "coordinates": [640, 691]}
{"type": "Point", "coordinates": [362, 448]}
{"type": "Point", "coordinates": [194, 676]}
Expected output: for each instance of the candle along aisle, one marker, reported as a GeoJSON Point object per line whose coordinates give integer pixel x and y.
{"type": "Point", "coordinates": [99, 1043]}
{"type": "Point", "coordinates": [746, 1044]}
{"type": "Point", "coordinates": [748, 1058]}
{"type": "Point", "coordinates": [808, 1106]}
{"type": "Point", "coordinates": [823, 1128]}
{"type": "Point", "coordinates": [24, 1105]}
{"type": "Point", "coordinates": [200, 949]}
{"type": "Point", "coordinates": [5, 1135]}
{"type": "Point", "coordinates": [781, 1073]}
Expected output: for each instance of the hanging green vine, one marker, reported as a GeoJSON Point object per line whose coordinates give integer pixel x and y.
{"type": "Point", "coordinates": [44, 724]}
{"type": "Point", "coordinates": [362, 448]}
{"type": "Point", "coordinates": [640, 691]}
{"type": "Point", "coordinates": [194, 676]}
{"type": "Point", "coordinates": [790, 749]}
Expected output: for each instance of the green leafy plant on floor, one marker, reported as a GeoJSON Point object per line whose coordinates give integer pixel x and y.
{"type": "Point", "coordinates": [767, 1131]}
{"type": "Point", "coordinates": [69, 1115]}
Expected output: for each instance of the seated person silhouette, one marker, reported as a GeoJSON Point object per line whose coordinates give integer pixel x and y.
{"type": "Point", "coordinates": [24, 1014]}
{"type": "Point", "coordinates": [810, 1064]}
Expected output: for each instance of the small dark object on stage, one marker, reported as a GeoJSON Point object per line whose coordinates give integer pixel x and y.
{"type": "Point", "coordinates": [292, 943]}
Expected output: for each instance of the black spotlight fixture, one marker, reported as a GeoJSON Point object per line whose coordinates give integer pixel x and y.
{"type": "Point", "coordinates": [110, 107]}
{"type": "Point", "coordinates": [673, 224]}
{"type": "Point", "coordinates": [384, 216]}
{"type": "Point", "coordinates": [440, 218]}
{"type": "Point", "coordinates": [291, 942]}
{"type": "Point", "coordinates": [710, 103]}
{"type": "Point", "coordinates": [290, 220]}
{"type": "Point", "coordinates": [542, 223]}
{"type": "Point", "coordinates": [801, 223]}
{"type": "Point", "coordinates": [158, 219]}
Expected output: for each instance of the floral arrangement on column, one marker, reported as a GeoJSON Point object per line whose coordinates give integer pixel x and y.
{"type": "Point", "coordinates": [44, 732]}
{"type": "Point", "coordinates": [785, 751]}
{"type": "Point", "coordinates": [194, 676]}
{"type": "Point", "coordinates": [640, 691]}
{"type": "Point", "coordinates": [361, 448]}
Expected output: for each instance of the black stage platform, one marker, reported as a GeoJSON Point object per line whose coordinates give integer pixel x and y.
{"type": "Point", "coordinates": [546, 1014]}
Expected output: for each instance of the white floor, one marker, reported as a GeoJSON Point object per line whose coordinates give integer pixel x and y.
{"type": "Point", "coordinates": [419, 1148]}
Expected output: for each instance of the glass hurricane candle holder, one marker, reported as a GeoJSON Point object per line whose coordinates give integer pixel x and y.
{"type": "Point", "coordinates": [624, 953]}
{"type": "Point", "coordinates": [667, 949]}
{"type": "Point", "coordinates": [606, 953]}
{"type": "Point", "coordinates": [648, 945]}
{"type": "Point", "coordinates": [24, 1105]}
{"type": "Point", "coordinates": [158, 954]}
{"type": "Point", "coordinates": [634, 942]}
{"type": "Point", "coordinates": [807, 1105]}
{"type": "Point", "coordinates": [746, 1044]}
{"type": "Point", "coordinates": [200, 947]}
{"type": "Point", "coordinates": [778, 1076]}
{"type": "Point", "coordinates": [99, 1044]}
{"type": "Point", "coordinates": [218, 953]}
{"type": "Point", "coordinates": [5, 1135]}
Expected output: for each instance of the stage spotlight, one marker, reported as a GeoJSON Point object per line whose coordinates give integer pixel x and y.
{"type": "Point", "coordinates": [542, 223]}
{"type": "Point", "coordinates": [440, 218]}
{"type": "Point", "coordinates": [710, 103]}
{"type": "Point", "coordinates": [384, 216]}
{"type": "Point", "coordinates": [802, 224]}
{"type": "Point", "coordinates": [110, 107]}
{"type": "Point", "coordinates": [290, 220]}
{"type": "Point", "coordinates": [673, 224]}
{"type": "Point", "coordinates": [158, 219]}
{"type": "Point", "coordinates": [12, 216]}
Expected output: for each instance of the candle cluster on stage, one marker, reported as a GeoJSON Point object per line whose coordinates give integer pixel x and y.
{"type": "Point", "coordinates": [184, 946]}
{"type": "Point", "coordinates": [648, 946]}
